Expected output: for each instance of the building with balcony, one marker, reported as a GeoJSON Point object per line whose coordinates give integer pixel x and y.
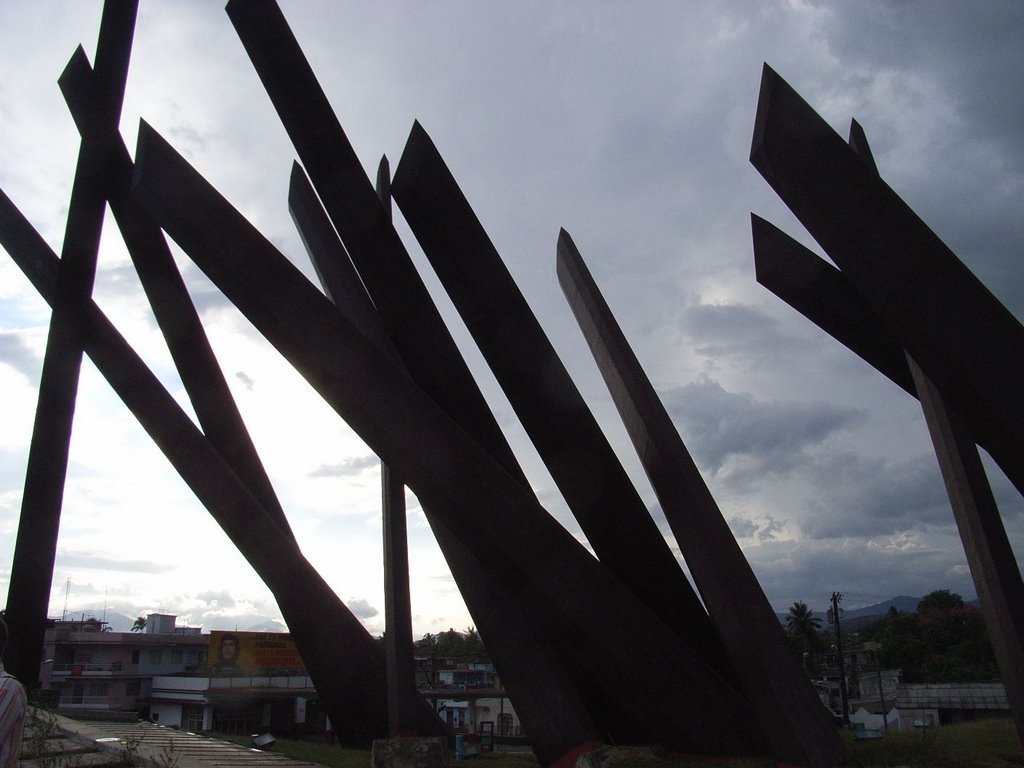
{"type": "Point", "coordinates": [87, 667]}
{"type": "Point", "coordinates": [234, 682]}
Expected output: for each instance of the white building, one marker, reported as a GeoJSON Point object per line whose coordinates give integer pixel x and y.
{"type": "Point", "coordinates": [237, 704]}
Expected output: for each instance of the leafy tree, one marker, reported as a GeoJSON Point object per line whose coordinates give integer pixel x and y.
{"type": "Point", "coordinates": [939, 600]}
{"type": "Point", "coordinates": [957, 645]}
{"type": "Point", "coordinates": [139, 625]}
{"type": "Point", "coordinates": [426, 646]}
{"type": "Point", "coordinates": [945, 641]}
{"type": "Point", "coordinates": [451, 644]}
{"type": "Point", "coordinates": [465, 645]}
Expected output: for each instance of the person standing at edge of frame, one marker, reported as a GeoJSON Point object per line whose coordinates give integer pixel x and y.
{"type": "Point", "coordinates": [13, 707]}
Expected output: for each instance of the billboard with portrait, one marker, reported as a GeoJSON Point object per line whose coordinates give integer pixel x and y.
{"type": "Point", "coordinates": [252, 653]}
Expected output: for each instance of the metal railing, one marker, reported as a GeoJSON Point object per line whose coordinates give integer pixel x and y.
{"type": "Point", "coordinates": [84, 667]}
{"type": "Point", "coordinates": [101, 702]}
{"type": "Point", "coordinates": [262, 681]}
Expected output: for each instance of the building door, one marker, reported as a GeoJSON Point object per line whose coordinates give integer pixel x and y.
{"type": "Point", "coordinates": [192, 717]}
{"type": "Point", "coordinates": [505, 724]}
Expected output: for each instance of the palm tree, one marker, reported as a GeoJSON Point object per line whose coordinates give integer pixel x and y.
{"type": "Point", "coordinates": [803, 627]}
{"type": "Point", "coordinates": [139, 625]}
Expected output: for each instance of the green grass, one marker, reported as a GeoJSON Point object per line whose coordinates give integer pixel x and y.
{"type": "Point", "coordinates": [334, 756]}
{"type": "Point", "coordinates": [985, 744]}
{"type": "Point", "coordinates": [309, 751]}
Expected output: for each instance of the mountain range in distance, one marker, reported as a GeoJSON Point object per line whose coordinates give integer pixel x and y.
{"type": "Point", "coordinates": [851, 618]}
{"type": "Point", "coordinates": [857, 618]}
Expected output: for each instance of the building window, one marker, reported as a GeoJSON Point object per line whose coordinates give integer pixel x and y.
{"type": "Point", "coordinates": [155, 656]}
{"type": "Point", "coordinates": [135, 656]}
{"type": "Point", "coordinates": [96, 689]}
{"type": "Point", "coordinates": [176, 656]}
{"type": "Point", "coordinates": [132, 687]}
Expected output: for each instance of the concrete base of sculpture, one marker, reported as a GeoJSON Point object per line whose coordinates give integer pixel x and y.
{"type": "Point", "coordinates": [409, 752]}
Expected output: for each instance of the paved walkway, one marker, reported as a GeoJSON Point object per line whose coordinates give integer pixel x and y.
{"type": "Point", "coordinates": [92, 744]}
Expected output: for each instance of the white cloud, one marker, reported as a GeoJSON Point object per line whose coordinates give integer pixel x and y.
{"type": "Point", "coordinates": [361, 608]}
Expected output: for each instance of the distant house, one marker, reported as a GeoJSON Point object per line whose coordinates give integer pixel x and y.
{"type": "Point", "coordinates": [868, 687]}
{"type": "Point", "coordinates": [467, 713]}
{"type": "Point", "coordinates": [468, 675]}
{"type": "Point", "coordinates": [467, 695]}
{"type": "Point", "coordinates": [925, 704]}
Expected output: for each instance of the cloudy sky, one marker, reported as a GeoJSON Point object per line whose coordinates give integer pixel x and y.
{"type": "Point", "coordinates": [628, 124]}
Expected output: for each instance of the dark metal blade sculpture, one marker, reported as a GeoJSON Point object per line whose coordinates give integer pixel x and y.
{"type": "Point", "coordinates": [993, 567]}
{"type": "Point", "coordinates": [480, 503]}
{"type": "Point", "coordinates": [567, 436]}
{"type": "Point", "coordinates": [825, 296]}
{"type": "Point", "coordinates": [351, 687]}
{"type": "Point", "coordinates": [36, 547]}
{"type": "Point", "coordinates": [403, 302]}
{"type": "Point", "coordinates": [409, 316]}
{"type": "Point", "coordinates": [931, 303]}
{"type": "Point", "coordinates": [401, 666]}
{"type": "Point", "coordinates": [172, 306]}
{"type": "Point", "coordinates": [319, 621]}
{"type": "Point", "coordinates": [534, 674]}
{"type": "Point", "coordinates": [789, 712]}
{"type": "Point", "coordinates": [197, 365]}
{"type": "Point", "coordinates": [829, 299]}
{"type": "Point", "coordinates": [571, 636]}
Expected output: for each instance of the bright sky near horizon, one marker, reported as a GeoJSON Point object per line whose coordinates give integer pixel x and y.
{"type": "Point", "coordinates": [629, 125]}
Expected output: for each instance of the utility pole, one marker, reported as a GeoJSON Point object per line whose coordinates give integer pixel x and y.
{"type": "Point", "coordinates": [836, 597]}
{"type": "Point", "coordinates": [875, 648]}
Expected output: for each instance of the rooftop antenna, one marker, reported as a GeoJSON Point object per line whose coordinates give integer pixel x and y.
{"type": "Point", "coordinates": [67, 593]}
